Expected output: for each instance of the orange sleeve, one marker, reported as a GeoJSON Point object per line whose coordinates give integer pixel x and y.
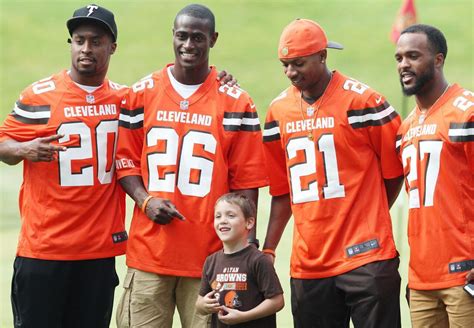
{"type": "Point", "coordinates": [28, 118]}
{"type": "Point", "coordinates": [469, 144]}
{"type": "Point", "coordinates": [383, 137]}
{"type": "Point", "coordinates": [275, 156]}
{"type": "Point", "coordinates": [246, 153]}
{"type": "Point", "coordinates": [130, 140]}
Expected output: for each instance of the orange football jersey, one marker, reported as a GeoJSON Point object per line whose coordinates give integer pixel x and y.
{"type": "Point", "coordinates": [190, 151]}
{"type": "Point", "coordinates": [437, 152]}
{"type": "Point", "coordinates": [332, 157]}
{"type": "Point", "coordinates": [71, 208]}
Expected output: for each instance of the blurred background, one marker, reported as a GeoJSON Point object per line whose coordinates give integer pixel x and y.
{"type": "Point", "coordinates": [33, 46]}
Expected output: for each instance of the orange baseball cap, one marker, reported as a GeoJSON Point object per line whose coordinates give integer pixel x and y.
{"type": "Point", "coordinates": [303, 37]}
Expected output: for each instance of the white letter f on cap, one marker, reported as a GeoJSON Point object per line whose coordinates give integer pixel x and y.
{"type": "Point", "coordinates": [91, 9]}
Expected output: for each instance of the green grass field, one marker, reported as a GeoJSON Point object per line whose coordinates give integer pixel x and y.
{"type": "Point", "coordinates": [33, 45]}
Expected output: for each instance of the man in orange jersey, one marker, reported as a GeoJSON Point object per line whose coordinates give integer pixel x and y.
{"type": "Point", "coordinates": [184, 141]}
{"type": "Point", "coordinates": [436, 147]}
{"type": "Point", "coordinates": [329, 149]}
{"type": "Point", "coordinates": [64, 129]}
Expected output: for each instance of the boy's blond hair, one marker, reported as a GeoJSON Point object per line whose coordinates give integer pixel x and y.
{"type": "Point", "coordinates": [245, 204]}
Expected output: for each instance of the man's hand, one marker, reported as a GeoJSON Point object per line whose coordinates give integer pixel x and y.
{"type": "Point", "coordinates": [162, 211]}
{"type": "Point", "coordinates": [159, 210]}
{"type": "Point", "coordinates": [41, 149]}
{"type": "Point", "coordinates": [230, 316]}
{"type": "Point", "coordinates": [13, 152]}
{"type": "Point", "coordinates": [470, 276]}
{"type": "Point", "coordinates": [228, 79]}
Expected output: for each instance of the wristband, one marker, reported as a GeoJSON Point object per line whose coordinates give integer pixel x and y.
{"type": "Point", "coordinates": [145, 202]}
{"type": "Point", "coordinates": [269, 251]}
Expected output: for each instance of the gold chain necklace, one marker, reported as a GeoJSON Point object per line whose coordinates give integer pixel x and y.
{"type": "Point", "coordinates": [310, 110]}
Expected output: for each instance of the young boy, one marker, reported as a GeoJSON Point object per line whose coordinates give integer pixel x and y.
{"type": "Point", "coordinates": [239, 285]}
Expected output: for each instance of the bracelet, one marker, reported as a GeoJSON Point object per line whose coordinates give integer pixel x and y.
{"type": "Point", "coordinates": [269, 251]}
{"type": "Point", "coordinates": [145, 202]}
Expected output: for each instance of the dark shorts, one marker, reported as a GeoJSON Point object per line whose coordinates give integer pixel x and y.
{"type": "Point", "coordinates": [369, 295]}
{"type": "Point", "coordinates": [65, 294]}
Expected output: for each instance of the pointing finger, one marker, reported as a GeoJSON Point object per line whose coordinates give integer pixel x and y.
{"type": "Point", "coordinates": [54, 137]}
{"type": "Point", "coordinates": [173, 212]}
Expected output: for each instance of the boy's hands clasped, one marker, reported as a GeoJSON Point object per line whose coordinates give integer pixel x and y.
{"type": "Point", "coordinates": [230, 316]}
{"type": "Point", "coordinates": [208, 304]}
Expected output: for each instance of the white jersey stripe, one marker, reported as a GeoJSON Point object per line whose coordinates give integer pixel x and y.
{"type": "Point", "coordinates": [250, 121]}
{"type": "Point", "coordinates": [31, 115]}
{"type": "Point", "coordinates": [371, 117]}
{"type": "Point", "coordinates": [232, 121]}
{"type": "Point", "coordinates": [398, 143]}
{"type": "Point", "coordinates": [271, 132]}
{"type": "Point", "coordinates": [131, 119]}
{"type": "Point", "coordinates": [240, 121]}
{"type": "Point", "coordinates": [461, 132]}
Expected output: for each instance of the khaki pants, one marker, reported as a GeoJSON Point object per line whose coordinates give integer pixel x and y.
{"type": "Point", "coordinates": [450, 307]}
{"type": "Point", "coordinates": [149, 300]}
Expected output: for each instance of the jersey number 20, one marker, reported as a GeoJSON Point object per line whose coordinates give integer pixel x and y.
{"type": "Point", "coordinates": [84, 151]}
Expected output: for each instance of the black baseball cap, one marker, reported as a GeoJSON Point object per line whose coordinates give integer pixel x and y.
{"type": "Point", "coordinates": [93, 13]}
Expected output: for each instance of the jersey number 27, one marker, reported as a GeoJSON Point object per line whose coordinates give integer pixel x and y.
{"type": "Point", "coordinates": [412, 158]}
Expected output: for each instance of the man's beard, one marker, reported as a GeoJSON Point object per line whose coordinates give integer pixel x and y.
{"type": "Point", "coordinates": [421, 81]}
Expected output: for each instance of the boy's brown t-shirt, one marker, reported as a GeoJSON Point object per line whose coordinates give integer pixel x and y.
{"type": "Point", "coordinates": [241, 281]}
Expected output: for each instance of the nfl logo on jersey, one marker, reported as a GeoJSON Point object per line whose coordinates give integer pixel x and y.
{"type": "Point", "coordinates": [90, 99]}
{"type": "Point", "coordinates": [184, 104]}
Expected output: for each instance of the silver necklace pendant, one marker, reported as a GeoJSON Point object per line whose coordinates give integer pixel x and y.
{"type": "Point", "coordinates": [184, 104]}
